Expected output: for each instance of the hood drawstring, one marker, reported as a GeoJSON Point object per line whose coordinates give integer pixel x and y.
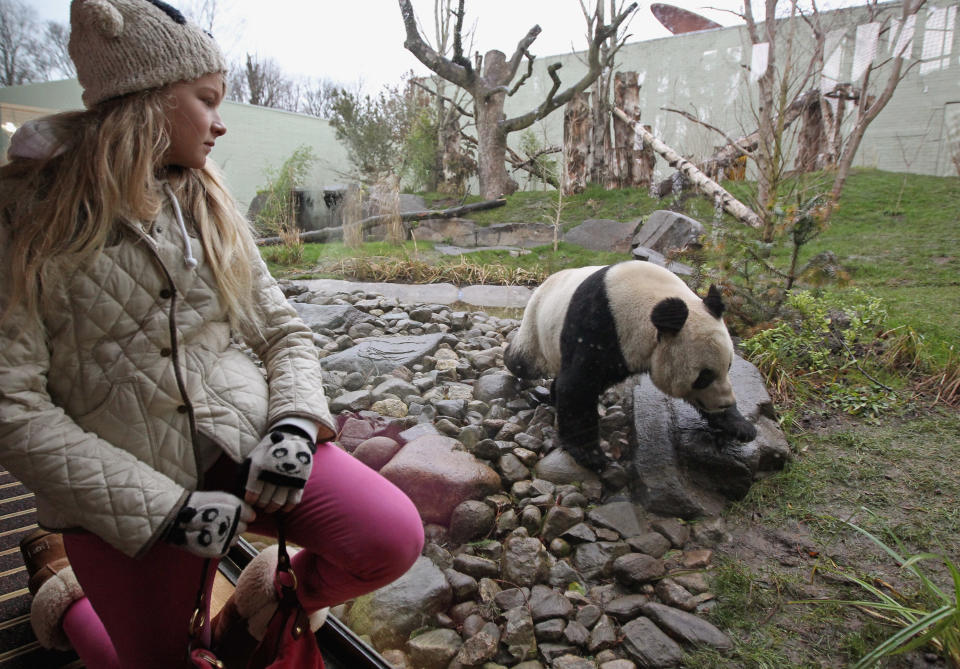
{"type": "Point", "coordinates": [188, 258]}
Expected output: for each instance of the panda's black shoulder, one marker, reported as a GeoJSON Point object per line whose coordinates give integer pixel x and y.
{"type": "Point", "coordinates": [590, 295]}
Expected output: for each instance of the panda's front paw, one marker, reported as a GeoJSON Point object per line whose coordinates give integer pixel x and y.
{"type": "Point", "coordinates": [591, 458]}
{"type": "Point", "coordinates": [732, 424]}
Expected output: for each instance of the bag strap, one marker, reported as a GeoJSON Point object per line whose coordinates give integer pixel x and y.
{"type": "Point", "coordinates": [196, 649]}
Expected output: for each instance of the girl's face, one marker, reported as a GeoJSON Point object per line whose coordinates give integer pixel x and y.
{"type": "Point", "coordinates": [194, 120]}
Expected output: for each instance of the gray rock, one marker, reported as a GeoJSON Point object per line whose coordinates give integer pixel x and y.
{"type": "Point", "coordinates": [462, 585]}
{"type": "Point", "coordinates": [687, 470]}
{"type": "Point", "coordinates": [562, 575]}
{"type": "Point", "coordinates": [651, 543]}
{"type": "Point", "coordinates": [676, 532]}
{"type": "Point", "coordinates": [434, 649]}
{"type": "Point", "coordinates": [588, 615]}
{"type": "Point", "coordinates": [602, 235]}
{"type": "Point", "coordinates": [476, 566]}
{"type": "Point", "coordinates": [673, 594]}
{"type": "Point", "coordinates": [596, 560]}
{"type": "Point", "coordinates": [518, 634]}
{"type": "Point", "coordinates": [617, 664]}
{"type": "Point", "coordinates": [603, 635]}
{"type": "Point", "coordinates": [437, 476]}
{"type": "Point", "coordinates": [560, 519]}
{"type": "Point", "coordinates": [480, 647]}
{"type": "Point", "coordinates": [576, 633]}
{"type": "Point", "coordinates": [627, 607]}
{"type": "Point", "coordinates": [380, 355]}
{"type": "Point", "coordinates": [550, 630]}
{"type": "Point", "coordinates": [547, 603]}
{"type": "Point", "coordinates": [390, 614]}
{"type": "Point", "coordinates": [375, 452]}
{"type": "Point", "coordinates": [648, 646]}
{"type": "Point", "coordinates": [573, 662]}
{"type": "Point", "coordinates": [686, 627]}
{"type": "Point", "coordinates": [530, 519]}
{"type": "Point", "coordinates": [511, 598]}
{"type": "Point", "coordinates": [558, 466]}
{"type": "Point", "coordinates": [620, 517]}
{"type": "Point", "coordinates": [394, 386]}
{"type": "Point", "coordinates": [635, 569]}
{"type": "Point", "coordinates": [667, 231]}
{"type": "Point", "coordinates": [330, 316]}
{"type": "Point", "coordinates": [579, 533]}
{"type": "Point", "coordinates": [524, 561]}
{"type": "Point", "coordinates": [470, 520]}
{"type": "Point", "coordinates": [357, 400]}
{"type": "Point", "coordinates": [512, 469]}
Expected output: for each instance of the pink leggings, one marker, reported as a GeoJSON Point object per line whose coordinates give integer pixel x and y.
{"type": "Point", "coordinates": [359, 532]}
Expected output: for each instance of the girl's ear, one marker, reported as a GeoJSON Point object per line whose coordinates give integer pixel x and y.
{"type": "Point", "coordinates": [669, 316]}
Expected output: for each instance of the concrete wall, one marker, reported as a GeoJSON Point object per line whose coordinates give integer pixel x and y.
{"type": "Point", "coordinates": [706, 74]}
{"type": "Point", "coordinates": [257, 138]}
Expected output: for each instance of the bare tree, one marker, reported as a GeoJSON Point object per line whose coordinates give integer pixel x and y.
{"type": "Point", "coordinates": [316, 98]}
{"type": "Point", "coordinates": [18, 44]}
{"type": "Point", "coordinates": [490, 79]}
{"type": "Point", "coordinates": [56, 62]}
{"type": "Point", "coordinates": [263, 83]}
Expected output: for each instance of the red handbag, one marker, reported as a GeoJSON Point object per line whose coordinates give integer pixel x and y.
{"type": "Point", "coordinates": [289, 643]}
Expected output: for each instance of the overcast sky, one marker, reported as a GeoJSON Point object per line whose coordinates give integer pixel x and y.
{"type": "Point", "coordinates": [362, 40]}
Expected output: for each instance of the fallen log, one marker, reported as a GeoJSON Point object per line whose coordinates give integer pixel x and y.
{"type": "Point", "coordinates": [707, 186]}
{"type": "Point", "coordinates": [330, 234]}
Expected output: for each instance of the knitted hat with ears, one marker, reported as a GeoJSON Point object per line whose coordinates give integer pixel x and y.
{"type": "Point", "coordinates": [122, 46]}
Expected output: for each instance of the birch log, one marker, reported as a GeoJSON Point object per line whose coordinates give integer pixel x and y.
{"type": "Point", "coordinates": [707, 186]}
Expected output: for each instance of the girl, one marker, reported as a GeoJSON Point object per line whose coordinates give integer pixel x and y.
{"type": "Point", "coordinates": [125, 270]}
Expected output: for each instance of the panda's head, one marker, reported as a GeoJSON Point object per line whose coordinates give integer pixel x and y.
{"type": "Point", "coordinates": [694, 352]}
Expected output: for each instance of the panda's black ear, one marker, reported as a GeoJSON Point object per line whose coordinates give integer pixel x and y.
{"type": "Point", "coordinates": [714, 302]}
{"type": "Point", "coordinates": [669, 316]}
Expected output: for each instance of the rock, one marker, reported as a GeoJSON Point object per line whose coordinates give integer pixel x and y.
{"type": "Point", "coordinates": [635, 569]}
{"type": "Point", "coordinates": [651, 543]}
{"type": "Point", "coordinates": [462, 585]}
{"type": "Point", "coordinates": [676, 532]}
{"type": "Point", "coordinates": [572, 662]}
{"type": "Point", "coordinates": [375, 452]}
{"type": "Point", "coordinates": [330, 316]}
{"type": "Point", "coordinates": [390, 406]}
{"type": "Point", "coordinates": [552, 651]}
{"type": "Point", "coordinates": [390, 614]}
{"type": "Point", "coordinates": [668, 231]}
{"type": "Point", "coordinates": [618, 664]}
{"type": "Point", "coordinates": [550, 630]}
{"type": "Point", "coordinates": [626, 608]}
{"type": "Point", "coordinates": [511, 598]}
{"type": "Point", "coordinates": [524, 561]}
{"type": "Point", "coordinates": [380, 355]}
{"type": "Point", "coordinates": [437, 476]}
{"type": "Point", "coordinates": [547, 603]}
{"type": "Point", "coordinates": [434, 649]}
{"type": "Point", "coordinates": [711, 532]}
{"type": "Point", "coordinates": [686, 469]}
{"type": "Point", "coordinates": [648, 646]}
{"type": "Point", "coordinates": [596, 560]}
{"type": "Point", "coordinates": [480, 647]}
{"type": "Point", "coordinates": [397, 659]}
{"type": "Point", "coordinates": [618, 516]}
{"type": "Point", "coordinates": [576, 633]}
{"type": "Point", "coordinates": [673, 594]}
{"type": "Point", "coordinates": [696, 559]}
{"type": "Point", "coordinates": [511, 469]}
{"type": "Point", "coordinates": [530, 519]}
{"type": "Point", "coordinates": [518, 634]}
{"type": "Point", "coordinates": [685, 627]}
{"type": "Point", "coordinates": [602, 235]}
{"type": "Point", "coordinates": [588, 615]}
{"type": "Point", "coordinates": [471, 519]}
{"type": "Point", "coordinates": [356, 400]}
{"type": "Point", "coordinates": [558, 520]}
{"type": "Point", "coordinates": [603, 635]}
{"type": "Point", "coordinates": [558, 466]}
{"type": "Point", "coordinates": [476, 566]}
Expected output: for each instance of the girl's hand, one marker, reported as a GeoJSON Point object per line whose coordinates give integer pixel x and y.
{"type": "Point", "coordinates": [278, 469]}
{"type": "Point", "coordinates": [210, 522]}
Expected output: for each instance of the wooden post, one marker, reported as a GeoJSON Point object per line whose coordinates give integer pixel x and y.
{"type": "Point", "coordinates": [707, 186]}
{"type": "Point", "coordinates": [576, 143]}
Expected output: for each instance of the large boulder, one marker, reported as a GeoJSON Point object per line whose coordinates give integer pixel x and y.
{"type": "Point", "coordinates": [686, 470]}
{"type": "Point", "coordinates": [330, 316]}
{"type": "Point", "coordinates": [600, 234]}
{"type": "Point", "coordinates": [381, 355]}
{"type": "Point", "coordinates": [437, 474]}
{"type": "Point", "coordinates": [390, 614]}
{"type": "Point", "coordinates": [667, 231]}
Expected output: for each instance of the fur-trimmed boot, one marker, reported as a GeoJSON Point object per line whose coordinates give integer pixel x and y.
{"type": "Point", "coordinates": [52, 584]}
{"type": "Point", "coordinates": [243, 620]}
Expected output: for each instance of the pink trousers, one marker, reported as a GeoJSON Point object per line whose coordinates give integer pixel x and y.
{"type": "Point", "coordinates": [359, 532]}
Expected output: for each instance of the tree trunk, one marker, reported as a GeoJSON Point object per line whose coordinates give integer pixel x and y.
{"type": "Point", "coordinates": [635, 162]}
{"type": "Point", "coordinates": [495, 181]}
{"type": "Point", "coordinates": [810, 154]}
{"type": "Point", "coordinates": [576, 143]}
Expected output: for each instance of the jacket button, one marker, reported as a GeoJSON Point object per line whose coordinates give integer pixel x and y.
{"type": "Point", "coordinates": [165, 352]}
{"type": "Point", "coordinates": [166, 293]}
{"type": "Point", "coordinates": [182, 408]}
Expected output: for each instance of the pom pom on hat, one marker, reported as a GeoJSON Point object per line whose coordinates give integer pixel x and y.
{"type": "Point", "coordinates": [123, 46]}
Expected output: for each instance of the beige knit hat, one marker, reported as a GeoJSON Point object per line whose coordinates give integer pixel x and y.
{"type": "Point", "coordinates": [122, 46]}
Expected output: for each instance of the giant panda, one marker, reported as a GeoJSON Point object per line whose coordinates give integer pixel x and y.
{"type": "Point", "coordinates": [591, 327]}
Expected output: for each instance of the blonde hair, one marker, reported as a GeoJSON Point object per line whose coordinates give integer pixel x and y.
{"type": "Point", "coordinates": [67, 207]}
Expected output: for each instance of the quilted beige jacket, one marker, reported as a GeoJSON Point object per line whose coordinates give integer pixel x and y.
{"type": "Point", "coordinates": [99, 406]}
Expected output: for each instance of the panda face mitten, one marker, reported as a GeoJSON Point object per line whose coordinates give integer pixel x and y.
{"type": "Point", "coordinates": [279, 467]}
{"type": "Point", "coordinates": [209, 523]}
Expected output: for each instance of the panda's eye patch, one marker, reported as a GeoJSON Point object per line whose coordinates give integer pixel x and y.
{"type": "Point", "coordinates": [705, 378]}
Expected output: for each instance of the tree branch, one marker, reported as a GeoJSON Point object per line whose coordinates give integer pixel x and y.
{"type": "Point", "coordinates": [452, 72]}
{"type": "Point", "coordinates": [595, 67]}
{"type": "Point", "coordinates": [458, 57]}
{"type": "Point", "coordinates": [436, 94]}
{"type": "Point", "coordinates": [523, 47]}
{"type": "Point", "coordinates": [529, 73]}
